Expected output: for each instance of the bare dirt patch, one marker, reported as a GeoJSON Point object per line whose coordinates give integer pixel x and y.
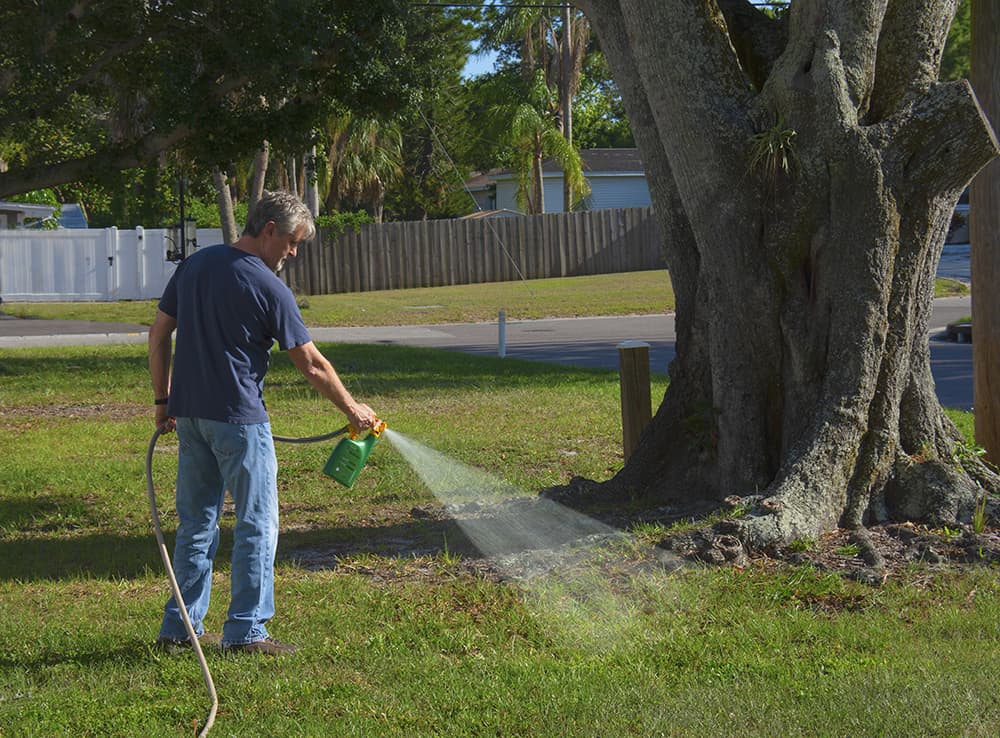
{"type": "Point", "coordinates": [107, 410]}
{"type": "Point", "coordinates": [401, 546]}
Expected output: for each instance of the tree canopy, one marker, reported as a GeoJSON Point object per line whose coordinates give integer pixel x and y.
{"type": "Point", "coordinates": [88, 88]}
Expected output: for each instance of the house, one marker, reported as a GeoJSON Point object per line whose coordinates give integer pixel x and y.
{"type": "Point", "coordinates": [23, 215]}
{"type": "Point", "coordinates": [616, 176]}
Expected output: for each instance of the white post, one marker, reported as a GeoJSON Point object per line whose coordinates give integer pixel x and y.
{"type": "Point", "coordinates": [502, 338]}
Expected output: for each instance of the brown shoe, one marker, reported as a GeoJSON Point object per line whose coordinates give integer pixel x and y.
{"type": "Point", "coordinates": [177, 645]}
{"type": "Point", "coordinates": [268, 647]}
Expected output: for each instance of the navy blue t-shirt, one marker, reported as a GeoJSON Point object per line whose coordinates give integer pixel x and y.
{"type": "Point", "coordinates": [230, 308]}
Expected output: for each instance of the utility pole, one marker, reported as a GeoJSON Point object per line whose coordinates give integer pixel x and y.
{"type": "Point", "coordinates": [567, 97]}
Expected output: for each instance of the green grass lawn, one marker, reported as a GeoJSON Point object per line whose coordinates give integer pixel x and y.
{"type": "Point", "coordinates": [400, 636]}
{"type": "Point", "coordinates": [606, 294]}
{"type": "Point", "coordinates": [633, 293]}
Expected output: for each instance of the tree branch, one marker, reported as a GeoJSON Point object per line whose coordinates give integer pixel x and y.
{"type": "Point", "coordinates": [852, 28]}
{"type": "Point", "coordinates": [949, 133]}
{"type": "Point", "coordinates": [913, 36]}
{"type": "Point", "coordinates": [696, 89]}
{"type": "Point", "coordinates": [757, 38]}
{"type": "Point", "coordinates": [134, 155]}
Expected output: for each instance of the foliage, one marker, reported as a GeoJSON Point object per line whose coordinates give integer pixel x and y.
{"type": "Point", "coordinates": [550, 48]}
{"type": "Point", "coordinates": [439, 136]}
{"type": "Point", "coordinates": [336, 224]}
{"type": "Point", "coordinates": [963, 451]}
{"type": "Point", "coordinates": [979, 516]}
{"type": "Point", "coordinates": [532, 137]}
{"type": "Point", "coordinates": [206, 213]}
{"type": "Point", "coordinates": [599, 120]}
{"type": "Point", "coordinates": [801, 545]}
{"type": "Point", "coordinates": [957, 57]}
{"type": "Point", "coordinates": [37, 197]}
{"type": "Point", "coordinates": [112, 83]}
{"type": "Point", "coordinates": [772, 152]}
{"type": "Point", "coordinates": [364, 158]}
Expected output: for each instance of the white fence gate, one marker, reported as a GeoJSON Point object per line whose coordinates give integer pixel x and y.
{"type": "Point", "coordinates": [87, 264]}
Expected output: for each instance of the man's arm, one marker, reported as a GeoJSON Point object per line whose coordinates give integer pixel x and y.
{"type": "Point", "coordinates": [320, 372]}
{"type": "Point", "coordinates": [160, 354]}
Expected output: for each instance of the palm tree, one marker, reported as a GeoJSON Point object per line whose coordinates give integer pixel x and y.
{"type": "Point", "coordinates": [533, 137]}
{"type": "Point", "coordinates": [364, 158]}
{"type": "Point", "coordinates": [557, 49]}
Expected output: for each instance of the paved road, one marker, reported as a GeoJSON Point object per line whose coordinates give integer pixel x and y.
{"type": "Point", "coordinates": [587, 342]}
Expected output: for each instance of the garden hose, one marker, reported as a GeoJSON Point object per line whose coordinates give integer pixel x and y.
{"type": "Point", "coordinates": [314, 439]}
{"type": "Point", "coordinates": [192, 636]}
{"type": "Point", "coordinates": [175, 588]}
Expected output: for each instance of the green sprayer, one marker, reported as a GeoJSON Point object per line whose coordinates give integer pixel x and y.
{"type": "Point", "coordinates": [349, 456]}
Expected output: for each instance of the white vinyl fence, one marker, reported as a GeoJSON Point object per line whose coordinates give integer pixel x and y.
{"type": "Point", "coordinates": [90, 264]}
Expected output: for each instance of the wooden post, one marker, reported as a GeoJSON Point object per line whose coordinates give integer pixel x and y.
{"type": "Point", "coordinates": [984, 236]}
{"type": "Point", "coordinates": [633, 372]}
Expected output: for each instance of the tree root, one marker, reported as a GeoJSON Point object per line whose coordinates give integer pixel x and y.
{"type": "Point", "coordinates": [869, 554]}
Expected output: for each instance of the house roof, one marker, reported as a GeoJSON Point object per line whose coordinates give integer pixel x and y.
{"type": "Point", "coordinates": [28, 210]}
{"type": "Point", "coordinates": [482, 180]}
{"type": "Point", "coordinates": [595, 162]}
{"type": "Point", "coordinates": [604, 160]}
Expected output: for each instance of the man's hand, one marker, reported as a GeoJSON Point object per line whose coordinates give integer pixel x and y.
{"type": "Point", "coordinates": [362, 417]}
{"type": "Point", "coordinates": [164, 422]}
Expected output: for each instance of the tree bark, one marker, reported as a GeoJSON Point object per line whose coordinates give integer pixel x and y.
{"type": "Point", "coordinates": [225, 203]}
{"type": "Point", "coordinates": [538, 180]}
{"type": "Point", "coordinates": [260, 163]}
{"type": "Point", "coordinates": [984, 236]}
{"type": "Point", "coordinates": [566, 93]}
{"type": "Point", "coordinates": [816, 179]}
{"type": "Point", "coordinates": [310, 185]}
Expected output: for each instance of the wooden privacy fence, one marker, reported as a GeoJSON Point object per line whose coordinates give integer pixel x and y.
{"type": "Point", "coordinates": [434, 253]}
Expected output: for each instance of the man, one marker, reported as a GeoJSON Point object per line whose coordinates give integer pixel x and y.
{"type": "Point", "coordinates": [228, 306]}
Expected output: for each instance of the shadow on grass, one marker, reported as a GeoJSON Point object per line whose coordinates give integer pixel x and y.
{"type": "Point", "coordinates": [396, 370]}
{"type": "Point", "coordinates": [44, 513]}
{"type": "Point", "coordinates": [106, 556]}
{"type": "Point", "coordinates": [102, 556]}
{"type": "Point", "coordinates": [512, 527]}
{"type": "Point", "coordinates": [133, 652]}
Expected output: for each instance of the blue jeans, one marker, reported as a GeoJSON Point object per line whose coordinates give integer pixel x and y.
{"type": "Point", "coordinates": [214, 457]}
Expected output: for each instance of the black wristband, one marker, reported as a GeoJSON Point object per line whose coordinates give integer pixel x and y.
{"type": "Point", "coordinates": [161, 400]}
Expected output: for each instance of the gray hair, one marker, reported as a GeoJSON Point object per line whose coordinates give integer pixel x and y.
{"type": "Point", "coordinates": [287, 211]}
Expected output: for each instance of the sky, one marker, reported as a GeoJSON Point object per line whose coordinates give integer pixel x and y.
{"type": "Point", "coordinates": [478, 65]}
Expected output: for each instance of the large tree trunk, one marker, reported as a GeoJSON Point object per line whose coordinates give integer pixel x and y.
{"type": "Point", "coordinates": [985, 236]}
{"type": "Point", "coordinates": [813, 163]}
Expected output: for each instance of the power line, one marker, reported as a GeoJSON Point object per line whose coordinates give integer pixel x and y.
{"type": "Point", "coordinates": [500, 241]}
{"type": "Point", "coordinates": [755, 3]}
{"type": "Point", "coordinates": [489, 5]}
